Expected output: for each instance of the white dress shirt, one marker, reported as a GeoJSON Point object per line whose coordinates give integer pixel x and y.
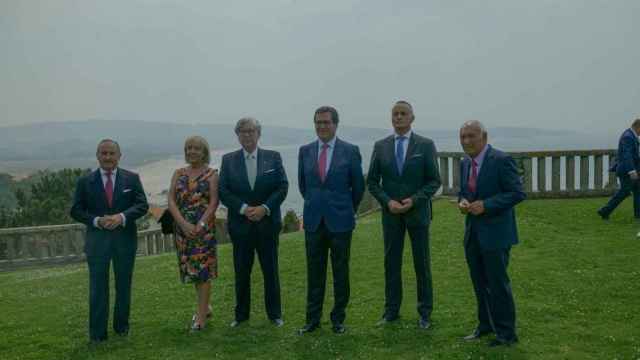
{"type": "Point", "coordinates": [254, 155]}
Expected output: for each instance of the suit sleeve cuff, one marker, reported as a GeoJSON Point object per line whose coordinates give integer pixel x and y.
{"type": "Point", "coordinates": [243, 208]}
{"type": "Point", "coordinates": [124, 219]}
{"type": "Point", "coordinates": [267, 208]}
{"type": "Point", "coordinates": [95, 223]}
{"type": "Point", "coordinates": [632, 172]}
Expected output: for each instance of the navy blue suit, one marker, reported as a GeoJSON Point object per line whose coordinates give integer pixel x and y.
{"type": "Point", "coordinates": [488, 239]}
{"type": "Point", "coordinates": [270, 189]}
{"type": "Point", "coordinates": [628, 159]}
{"type": "Point", "coordinates": [329, 219]}
{"type": "Point", "coordinates": [103, 246]}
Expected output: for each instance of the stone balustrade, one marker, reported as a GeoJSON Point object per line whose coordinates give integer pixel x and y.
{"type": "Point", "coordinates": [547, 174]}
{"type": "Point", "coordinates": [55, 244]}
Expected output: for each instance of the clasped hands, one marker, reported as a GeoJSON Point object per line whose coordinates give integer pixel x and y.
{"type": "Point", "coordinates": [400, 207]}
{"type": "Point", "coordinates": [475, 208]}
{"type": "Point", "coordinates": [110, 222]}
{"type": "Point", "coordinates": [255, 213]}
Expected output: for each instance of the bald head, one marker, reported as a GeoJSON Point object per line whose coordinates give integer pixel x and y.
{"type": "Point", "coordinates": [473, 137]}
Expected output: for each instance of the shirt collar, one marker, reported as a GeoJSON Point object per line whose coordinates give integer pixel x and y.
{"type": "Point", "coordinates": [331, 143]}
{"type": "Point", "coordinates": [407, 135]}
{"type": "Point", "coordinates": [103, 172]}
{"type": "Point", "coordinates": [254, 153]}
{"type": "Point", "coordinates": [634, 132]}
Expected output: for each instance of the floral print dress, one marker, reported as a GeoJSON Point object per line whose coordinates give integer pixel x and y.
{"type": "Point", "coordinates": [198, 257]}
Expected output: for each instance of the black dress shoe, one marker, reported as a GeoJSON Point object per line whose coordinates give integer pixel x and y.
{"type": "Point", "coordinates": [277, 322]}
{"type": "Point", "coordinates": [424, 323]}
{"type": "Point", "coordinates": [386, 320]}
{"type": "Point", "coordinates": [603, 215]}
{"type": "Point", "coordinates": [338, 328]}
{"type": "Point", "coordinates": [308, 328]}
{"type": "Point", "coordinates": [236, 323]}
{"type": "Point", "coordinates": [475, 335]}
{"type": "Point", "coordinates": [502, 342]}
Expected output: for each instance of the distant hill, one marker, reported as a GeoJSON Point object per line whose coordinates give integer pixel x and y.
{"type": "Point", "coordinates": [72, 144]}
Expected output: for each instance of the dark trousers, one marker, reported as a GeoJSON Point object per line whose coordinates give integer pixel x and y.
{"type": "Point", "coordinates": [265, 244]}
{"type": "Point", "coordinates": [627, 186]}
{"type": "Point", "coordinates": [394, 228]}
{"type": "Point", "coordinates": [491, 284]}
{"type": "Point", "coordinates": [318, 244]}
{"type": "Point", "coordinates": [99, 293]}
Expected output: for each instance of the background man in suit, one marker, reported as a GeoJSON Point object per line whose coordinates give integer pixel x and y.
{"type": "Point", "coordinates": [332, 185]}
{"type": "Point", "coordinates": [403, 176]}
{"type": "Point", "coordinates": [109, 201]}
{"type": "Point", "coordinates": [626, 168]}
{"type": "Point", "coordinates": [490, 187]}
{"type": "Point", "coordinates": [252, 186]}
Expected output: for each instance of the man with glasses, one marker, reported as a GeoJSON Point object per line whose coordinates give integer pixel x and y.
{"type": "Point", "coordinates": [252, 186]}
{"type": "Point", "coordinates": [332, 185]}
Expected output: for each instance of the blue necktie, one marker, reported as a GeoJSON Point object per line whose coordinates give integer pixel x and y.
{"type": "Point", "coordinates": [400, 153]}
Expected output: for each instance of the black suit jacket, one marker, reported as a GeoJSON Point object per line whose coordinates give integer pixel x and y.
{"type": "Point", "coordinates": [270, 189]}
{"type": "Point", "coordinates": [500, 188]}
{"type": "Point", "coordinates": [90, 201]}
{"type": "Point", "coordinates": [420, 178]}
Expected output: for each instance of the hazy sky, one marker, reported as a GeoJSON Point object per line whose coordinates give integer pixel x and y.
{"type": "Point", "coordinates": [555, 64]}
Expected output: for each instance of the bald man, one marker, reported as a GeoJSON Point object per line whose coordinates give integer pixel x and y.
{"type": "Point", "coordinates": [490, 187]}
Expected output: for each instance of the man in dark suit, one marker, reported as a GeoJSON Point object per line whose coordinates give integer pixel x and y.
{"type": "Point", "coordinates": [626, 167]}
{"type": "Point", "coordinates": [332, 185]}
{"type": "Point", "coordinates": [109, 201]}
{"type": "Point", "coordinates": [403, 177]}
{"type": "Point", "coordinates": [252, 186]}
{"type": "Point", "coordinates": [490, 187]}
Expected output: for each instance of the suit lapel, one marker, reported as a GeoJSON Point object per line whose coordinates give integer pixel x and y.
{"type": "Point", "coordinates": [314, 157]}
{"type": "Point", "coordinates": [98, 187]}
{"type": "Point", "coordinates": [336, 148]}
{"type": "Point", "coordinates": [259, 167]}
{"type": "Point", "coordinates": [243, 169]}
{"type": "Point", "coordinates": [464, 178]}
{"type": "Point", "coordinates": [488, 161]}
{"type": "Point", "coordinates": [118, 187]}
{"type": "Point", "coordinates": [391, 151]}
{"type": "Point", "coordinates": [410, 150]}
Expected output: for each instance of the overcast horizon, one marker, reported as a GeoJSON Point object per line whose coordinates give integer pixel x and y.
{"type": "Point", "coordinates": [557, 65]}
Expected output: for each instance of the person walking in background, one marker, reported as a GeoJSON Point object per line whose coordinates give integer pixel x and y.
{"type": "Point", "coordinates": [626, 167]}
{"type": "Point", "coordinates": [490, 187]}
{"type": "Point", "coordinates": [332, 184]}
{"type": "Point", "coordinates": [253, 185]}
{"type": "Point", "coordinates": [109, 201]}
{"type": "Point", "coordinates": [193, 200]}
{"type": "Point", "coordinates": [403, 176]}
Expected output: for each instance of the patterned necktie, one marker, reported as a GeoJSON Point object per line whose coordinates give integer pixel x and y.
{"type": "Point", "coordinates": [400, 153]}
{"type": "Point", "coordinates": [108, 189]}
{"type": "Point", "coordinates": [322, 162]}
{"type": "Point", "coordinates": [473, 178]}
{"type": "Point", "coordinates": [251, 170]}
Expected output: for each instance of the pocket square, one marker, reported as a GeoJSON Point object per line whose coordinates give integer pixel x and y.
{"type": "Point", "coordinates": [269, 171]}
{"type": "Point", "coordinates": [126, 190]}
{"type": "Point", "coordinates": [415, 156]}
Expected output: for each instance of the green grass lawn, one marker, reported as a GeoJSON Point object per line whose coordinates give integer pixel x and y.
{"type": "Point", "coordinates": [576, 281]}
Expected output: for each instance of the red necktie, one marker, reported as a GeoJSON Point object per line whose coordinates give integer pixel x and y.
{"type": "Point", "coordinates": [108, 189]}
{"type": "Point", "coordinates": [473, 178]}
{"type": "Point", "coordinates": [322, 162]}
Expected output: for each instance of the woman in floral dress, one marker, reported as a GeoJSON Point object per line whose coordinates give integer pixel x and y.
{"type": "Point", "coordinates": [193, 200]}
